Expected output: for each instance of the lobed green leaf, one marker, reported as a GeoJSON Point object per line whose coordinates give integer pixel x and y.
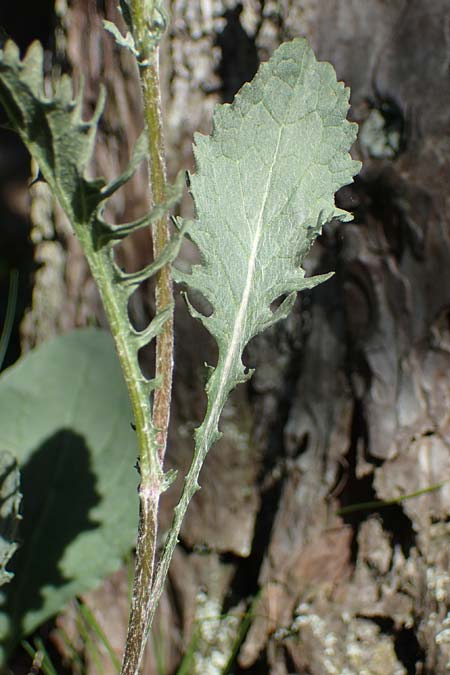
{"type": "Point", "coordinates": [62, 143]}
{"type": "Point", "coordinates": [52, 128]}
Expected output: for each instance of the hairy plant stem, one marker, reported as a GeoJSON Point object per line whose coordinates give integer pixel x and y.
{"type": "Point", "coordinates": [161, 236]}
{"type": "Point", "coordinates": [205, 436]}
{"type": "Point", "coordinates": [146, 42]}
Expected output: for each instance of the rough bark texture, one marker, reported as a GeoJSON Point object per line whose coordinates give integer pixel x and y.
{"type": "Point", "coordinates": [350, 401]}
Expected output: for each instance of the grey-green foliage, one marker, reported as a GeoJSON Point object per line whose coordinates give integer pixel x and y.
{"type": "Point", "coordinates": [65, 416]}
{"type": "Point", "coordinates": [263, 189]}
{"type": "Point", "coordinates": [9, 512]}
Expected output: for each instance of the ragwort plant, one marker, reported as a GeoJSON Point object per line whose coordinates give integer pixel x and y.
{"type": "Point", "coordinates": [263, 189]}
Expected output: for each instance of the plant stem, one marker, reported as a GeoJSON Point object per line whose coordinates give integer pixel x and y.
{"type": "Point", "coordinates": [205, 436]}
{"type": "Point", "coordinates": [146, 35]}
{"type": "Point", "coordinates": [149, 74]}
{"type": "Point", "coordinates": [152, 479]}
{"type": "Point", "coordinates": [161, 237]}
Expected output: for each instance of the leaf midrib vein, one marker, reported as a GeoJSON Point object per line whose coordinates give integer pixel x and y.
{"type": "Point", "coordinates": [234, 344]}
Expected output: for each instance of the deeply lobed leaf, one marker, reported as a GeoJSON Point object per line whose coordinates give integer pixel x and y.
{"type": "Point", "coordinates": [62, 143]}
{"type": "Point", "coordinates": [52, 128]}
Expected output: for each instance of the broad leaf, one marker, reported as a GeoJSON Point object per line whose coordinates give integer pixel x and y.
{"type": "Point", "coordinates": [9, 512]}
{"type": "Point", "coordinates": [65, 415]}
{"type": "Point", "coordinates": [263, 189]}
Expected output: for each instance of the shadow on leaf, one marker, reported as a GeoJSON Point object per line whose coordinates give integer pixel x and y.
{"type": "Point", "coordinates": [59, 491]}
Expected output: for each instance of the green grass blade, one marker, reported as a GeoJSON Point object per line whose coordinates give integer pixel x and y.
{"type": "Point", "coordinates": [185, 667]}
{"type": "Point", "coordinates": [41, 660]}
{"type": "Point", "coordinates": [380, 504]}
{"type": "Point", "coordinates": [92, 623]}
{"type": "Point", "coordinates": [11, 307]}
{"type": "Point", "coordinates": [91, 647]}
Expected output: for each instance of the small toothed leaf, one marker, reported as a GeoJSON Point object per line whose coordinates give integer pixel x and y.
{"type": "Point", "coordinates": [140, 152]}
{"type": "Point", "coordinates": [108, 232]}
{"type": "Point", "coordinates": [125, 41]}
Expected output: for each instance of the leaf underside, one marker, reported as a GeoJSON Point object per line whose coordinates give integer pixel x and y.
{"type": "Point", "coordinates": [263, 189]}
